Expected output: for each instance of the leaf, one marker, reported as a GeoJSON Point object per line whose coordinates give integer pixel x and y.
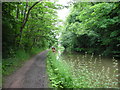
{"type": "Point", "coordinates": [114, 33]}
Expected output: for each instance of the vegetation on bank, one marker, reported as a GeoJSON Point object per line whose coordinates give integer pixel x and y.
{"type": "Point", "coordinates": [90, 27]}
{"type": "Point", "coordinates": [27, 25]}
{"type": "Point", "coordinates": [27, 29]}
{"type": "Point", "coordinates": [9, 65]}
{"type": "Point", "coordinates": [93, 27]}
{"type": "Point", "coordinates": [68, 74]}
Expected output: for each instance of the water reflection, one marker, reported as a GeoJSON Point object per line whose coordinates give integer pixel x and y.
{"type": "Point", "coordinates": [97, 59]}
{"type": "Point", "coordinates": [95, 63]}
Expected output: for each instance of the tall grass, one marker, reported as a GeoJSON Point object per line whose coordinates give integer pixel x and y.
{"type": "Point", "coordinates": [19, 57]}
{"type": "Point", "coordinates": [80, 74]}
{"type": "Point", "coordinates": [11, 64]}
{"type": "Point", "coordinates": [58, 71]}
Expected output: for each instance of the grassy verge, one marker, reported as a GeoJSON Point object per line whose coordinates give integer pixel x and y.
{"type": "Point", "coordinates": [68, 74]}
{"type": "Point", "coordinates": [20, 57]}
{"type": "Point", "coordinates": [58, 71]}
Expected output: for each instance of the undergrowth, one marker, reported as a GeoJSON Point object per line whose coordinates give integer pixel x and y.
{"type": "Point", "coordinates": [19, 57]}
{"type": "Point", "coordinates": [58, 71]}
{"type": "Point", "coordinates": [68, 74]}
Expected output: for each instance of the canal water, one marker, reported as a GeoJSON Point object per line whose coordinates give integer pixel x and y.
{"type": "Point", "coordinates": [95, 59]}
{"type": "Point", "coordinates": [94, 63]}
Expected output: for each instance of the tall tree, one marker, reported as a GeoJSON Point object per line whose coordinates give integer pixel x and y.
{"type": "Point", "coordinates": [96, 27]}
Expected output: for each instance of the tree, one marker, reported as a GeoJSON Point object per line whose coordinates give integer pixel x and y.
{"type": "Point", "coordinates": [28, 25]}
{"type": "Point", "coordinates": [100, 22]}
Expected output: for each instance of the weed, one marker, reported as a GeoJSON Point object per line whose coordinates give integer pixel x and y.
{"type": "Point", "coordinates": [80, 74]}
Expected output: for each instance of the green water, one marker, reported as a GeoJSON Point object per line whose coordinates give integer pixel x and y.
{"type": "Point", "coordinates": [105, 61]}
{"type": "Point", "coordinates": [95, 62]}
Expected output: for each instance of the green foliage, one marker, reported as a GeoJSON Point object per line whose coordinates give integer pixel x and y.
{"type": "Point", "coordinates": [80, 74]}
{"type": "Point", "coordinates": [58, 71]}
{"type": "Point", "coordinates": [9, 27]}
{"type": "Point", "coordinates": [39, 31]}
{"type": "Point", "coordinates": [96, 28]}
{"type": "Point", "coordinates": [36, 50]}
{"type": "Point", "coordinates": [68, 40]}
{"type": "Point", "coordinates": [9, 65]}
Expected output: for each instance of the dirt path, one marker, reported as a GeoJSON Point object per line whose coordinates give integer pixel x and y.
{"type": "Point", "coordinates": [31, 75]}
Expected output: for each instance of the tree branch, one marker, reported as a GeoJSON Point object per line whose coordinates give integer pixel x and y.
{"type": "Point", "coordinates": [27, 15]}
{"type": "Point", "coordinates": [26, 19]}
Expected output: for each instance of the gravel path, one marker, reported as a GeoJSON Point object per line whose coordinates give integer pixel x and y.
{"type": "Point", "coordinates": [31, 75]}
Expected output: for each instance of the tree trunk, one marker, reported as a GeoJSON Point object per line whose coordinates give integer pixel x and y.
{"type": "Point", "coordinates": [26, 19]}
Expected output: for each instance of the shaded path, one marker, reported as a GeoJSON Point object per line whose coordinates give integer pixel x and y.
{"type": "Point", "coordinates": [31, 75]}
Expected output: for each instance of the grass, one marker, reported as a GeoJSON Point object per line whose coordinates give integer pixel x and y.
{"type": "Point", "coordinates": [58, 71]}
{"type": "Point", "coordinates": [10, 65]}
{"type": "Point", "coordinates": [68, 74]}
